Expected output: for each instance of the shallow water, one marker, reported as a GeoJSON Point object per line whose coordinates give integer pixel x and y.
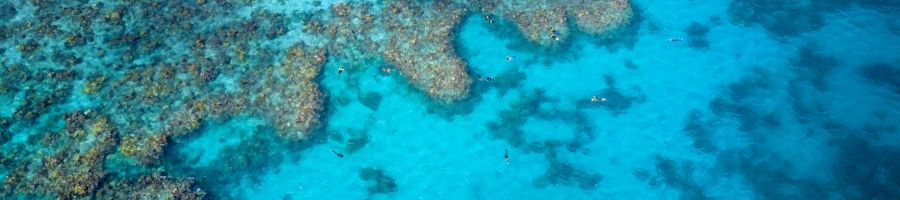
{"type": "Point", "coordinates": [742, 108]}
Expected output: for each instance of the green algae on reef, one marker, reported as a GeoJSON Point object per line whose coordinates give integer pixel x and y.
{"type": "Point", "coordinates": [116, 82]}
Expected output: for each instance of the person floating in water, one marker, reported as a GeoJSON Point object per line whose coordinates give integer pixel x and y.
{"type": "Point", "coordinates": [340, 70]}
{"type": "Point", "coordinates": [489, 78]}
{"type": "Point", "coordinates": [506, 155]}
{"type": "Point", "coordinates": [597, 99]}
{"type": "Point", "coordinates": [488, 19]}
{"type": "Point", "coordinates": [339, 155]}
{"type": "Point", "coordinates": [509, 58]}
{"type": "Point", "coordinates": [675, 39]}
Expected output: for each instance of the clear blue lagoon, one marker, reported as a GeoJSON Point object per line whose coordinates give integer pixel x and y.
{"type": "Point", "coordinates": [716, 99]}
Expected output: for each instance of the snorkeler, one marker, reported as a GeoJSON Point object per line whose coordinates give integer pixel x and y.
{"type": "Point", "coordinates": [506, 155]}
{"type": "Point", "coordinates": [675, 39]}
{"type": "Point", "coordinates": [488, 19]}
{"type": "Point", "coordinates": [554, 37]}
{"type": "Point", "coordinates": [339, 155]}
{"type": "Point", "coordinates": [597, 99]}
{"type": "Point", "coordinates": [340, 70]}
{"type": "Point", "coordinates": [509, 58]}
{"type": "Point", "coordinates": [490, 78]}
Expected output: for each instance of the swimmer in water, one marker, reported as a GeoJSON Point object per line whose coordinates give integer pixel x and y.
{"type": "Point", "coordinates": [339, 155]}
{"type": "Point", "coordinates": [506, 155]}
{"type": "Point", "coordinates": [488, 19]}
{"type": "Point", "coordinates": [597, 99]}
{"type": "Point", "coordinates": [340, 70]}
{"type": "Point", "coordinates": [490, 78]}
{"type": "Point", "coordinates": [509, 58]}
{"type": "Point", "coordinates": [675, 39]}
{"type": "Point", "coordinates": [554, 37]}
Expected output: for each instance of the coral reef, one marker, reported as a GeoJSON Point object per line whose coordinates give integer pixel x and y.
{"type": "Point", "coordinates": [153, 186]}
{"type": "Point", "coordinates": [118, 82]}
{"type": "Point", "coordinates": [413, 36]}
{"type": "Point", "coordinates": [416, 36]}
{"type": "Point", "coordinates": [289, 97]}
{"type": "Point", "coordinates": [547, 22]}
{"type": "Point", "coordinates": [422, 50]}
{"type": "Point", "coordinates": [73, 166]}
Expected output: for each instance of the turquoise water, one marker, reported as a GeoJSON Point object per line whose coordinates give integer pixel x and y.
{"type": "Point", "coordinates": [759, 100]}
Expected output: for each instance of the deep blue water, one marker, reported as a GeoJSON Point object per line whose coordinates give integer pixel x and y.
{"type": "Point", "coordinates": [759, 100]}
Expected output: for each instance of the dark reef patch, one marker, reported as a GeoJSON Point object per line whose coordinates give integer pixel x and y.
{"type": "Point", "coordinates": [697, 129]}
{"type": "Point", "coordinates": [7, 12]}
{"type": "Point", "coordinates": [868, 171]}
{"type": "Point", "coordinates": [381, 182]}
{"type": "Point", "coordinates": [629, 64]}
{"type": "Point", "coordinates": [882, 74]}
{"type": "Point", "coordinates": [535, 104]}
{"type": "Point", "coordinates": [884, 6]}
{"type": "Point", "coordinates": [862, 167]}
{"type": "Point", "coordinates": [562, 173]}
{"type": "Point", "coordinates": [617, 101]}
{"type": "Point", "coordinates": [503, 83]}
{"type": "Point", "coordinates": [357, 140]}
{"type": "Point", "coordinates": [813, 66]}
{"type": "Point", "coordinates": [679, 176]}
{"type": "Point", "coordinates": [697, 38]}
{"type": "Point", "coordinates": [790, 18]}
{"type": "Point", "coordinates": [769, 175]}
{"type": "Point", "coordinates": [781, 18]}
{"type": "Point", "coordinates": [371, 100]}
{"type": "Point", "coordinates": [807, 110]}
{"type": "Point", "coordinates": [509, 127]}
{"type": "Point", "coordinates": [246, 161]}
{"type": "Point", "coordinates": [737, 102]}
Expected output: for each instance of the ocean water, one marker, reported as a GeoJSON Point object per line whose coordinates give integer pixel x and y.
{"type": "Point", "coordinates": [755, 100]}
